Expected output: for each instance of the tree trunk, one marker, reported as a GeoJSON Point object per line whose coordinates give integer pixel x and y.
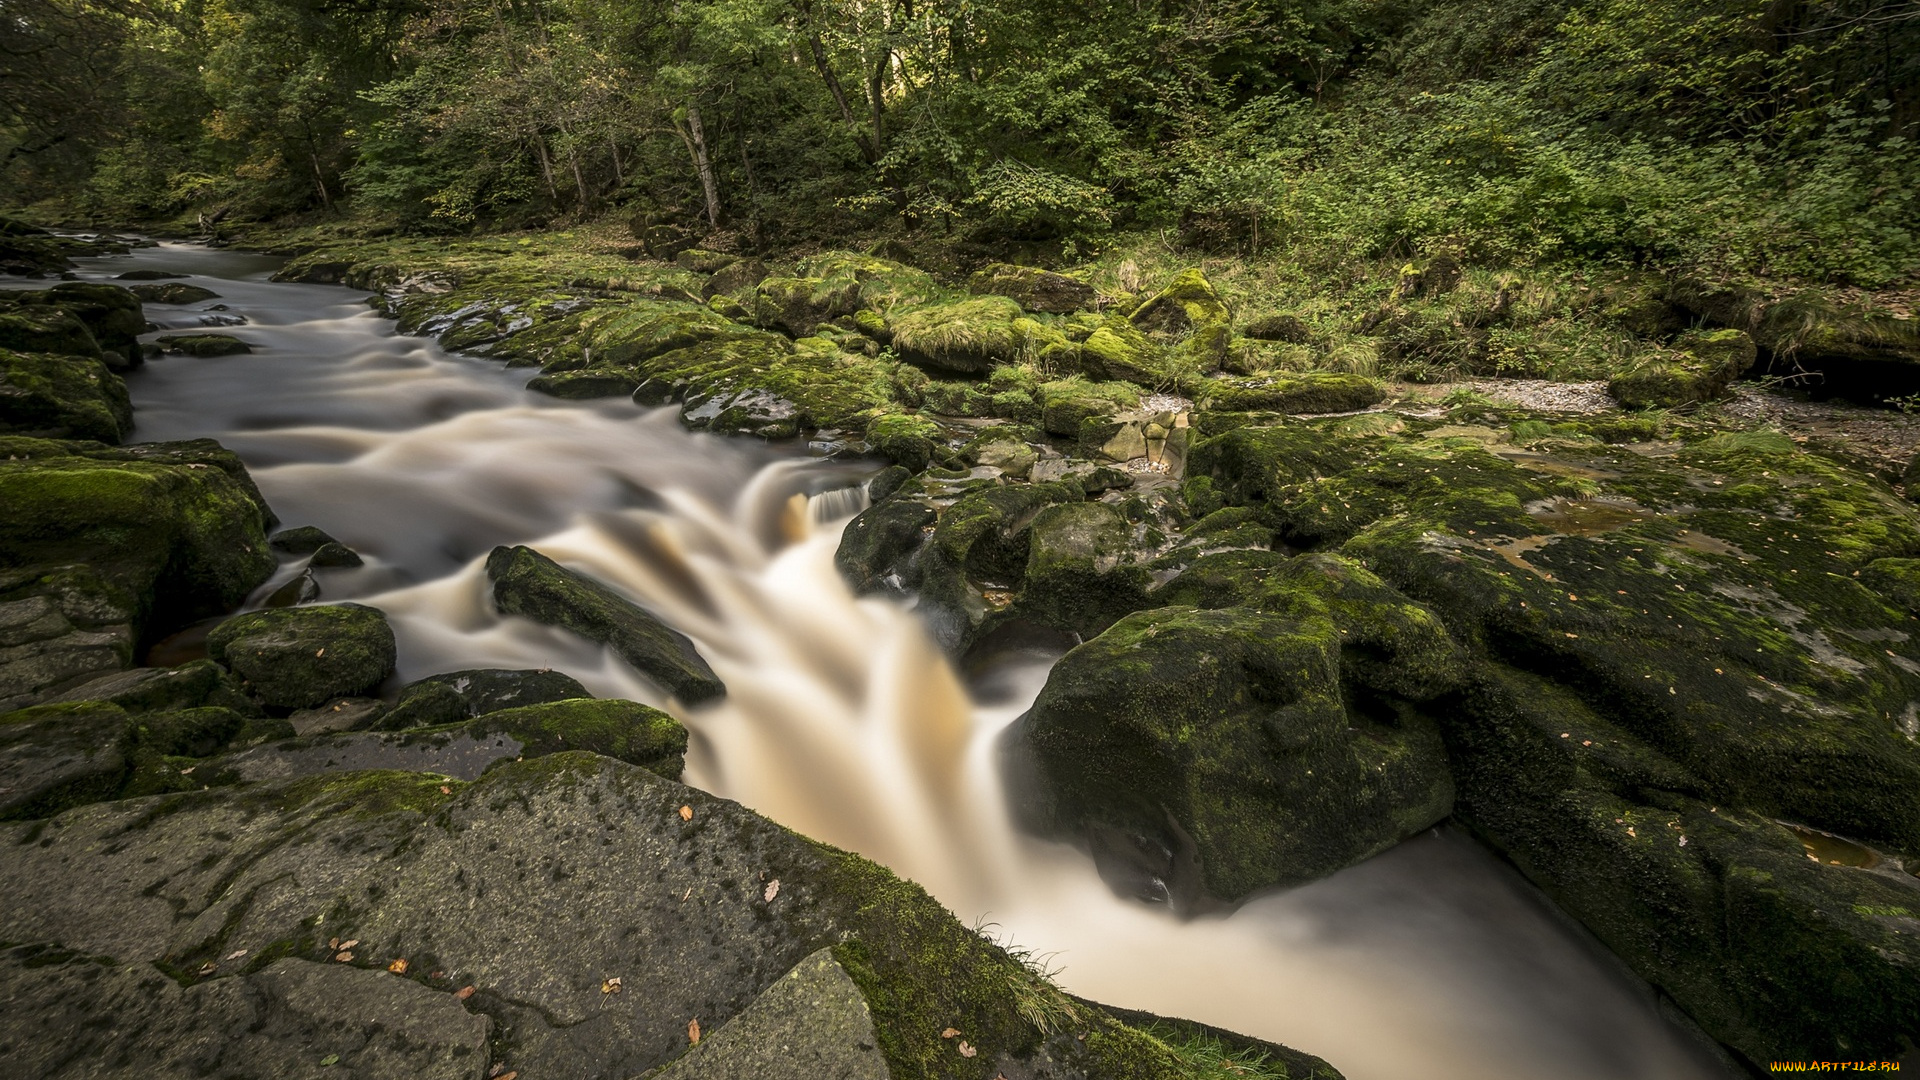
{"type": "Point", "coordinates": [703, 163]}
{"type": "Point", "coordinates": [868, 150]}
{"type": "Point", "coordinates": [546, 168]}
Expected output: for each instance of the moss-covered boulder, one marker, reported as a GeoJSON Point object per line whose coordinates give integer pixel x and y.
{"type": "Point", "coordinates": [1033, 288]}
{"type": "Point", "coordinates": [735, 277]}
{"type": "Point", "coordinates": [1067, 403]}
{"type": "Point", "coordinates": [173, 292]}
{"type": "Point", "coordinates": [40, 329]}
{"type": "Point", "coordinates": [205, 345]}
{"type": "Point", "coordinates": [587, 383]}
{"type": "Point", "coordinates": [1279, 326]}
{"type": "Point", "coordinates": [297, 658]}
{"type": "Point", "coordinates": [1302, 392]}
{"type": "Point", "coordinates": [977, 555]}
{"type": "Point", "coordinates": [967, 336]}
{"type": "Point", "coordinates": [528, 583]}
{"type": "Point", "coordinates": [1118, 350]}
{"type": "Point", "coordinates": [1203, 755]}
{"type": "Point", "coordinates": [461, 695]}
{"type": "Point", "coordinates": [1699, 368]}
{"type": "Point", "coordinates": [626, 730]}
{"type": "Point", "coordinates": [1081, 574]}
{"type": "Point", "coordinates": [62, 397]}
{"type": "Point", "coordinates": [57, 756]}
{"type": "Point", "coordinates": [796, 305]}
{"type": "Point", "coordinates": [909, 441]}
{"type": "Point", "coordinates": [1191, 315]}
{"type": "Point", "coordinates": [624, 337]}
{"type": "Point", "coordinates": [112, 313]}
{"type": "Point", "coordinates": [876, 544]}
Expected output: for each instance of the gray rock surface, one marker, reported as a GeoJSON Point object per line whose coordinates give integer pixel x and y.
{"type": "Point", "coordinates": [811, 1024]}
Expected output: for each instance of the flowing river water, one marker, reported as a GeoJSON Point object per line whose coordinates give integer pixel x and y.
{"type": "Point", "coordinates": [843, 721]}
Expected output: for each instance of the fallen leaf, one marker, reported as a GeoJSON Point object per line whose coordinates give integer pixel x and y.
{"type": "Point", "coordinates": [330, 1059]}
{"type": "Point", "coordinates": [333, 943]}
{"type": "Point", "coordinates": [398, 967]}
{"type": "Point", "coordinates": [693, 1031]}
{"type": "Point", "coordinates": [611, 985]}
{"type": "Point", "coordinates": [949, 1033]}
{"type": "Point", "coordinates": [966, 1049]}
{"type": "Point", "coordinates": [463, 993]}
{"type": "Point", "coordinates": [686, 813]}
{"type": "Point", "coordinates": [508, 1075]}
{"type": "Point", "coordinates": [773, 890]}
{"type": "Point", "coordinates": [445, 790]}
{"type": "Point", "coordinates": [349, 943]}
{"type": "Point", "coordinates": [320, 654]}
{"type": "Point", "coordinates": [207, 968]}
{"type": "Point", "coordinates": [236, 954]}
{"type": "Point", "coordinates": [343, 957]}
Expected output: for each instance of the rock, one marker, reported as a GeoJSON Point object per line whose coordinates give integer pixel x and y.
{"type": "Point", "coordinates": [1279, 326]}
{"type": "Point", "coordinates": [112, 313]}
{"type": "Point", "coordinates": [148, 689]}
{"type": "Point", "coordinates": [300, 590]}
{"type": "Point", "coordinates": [346, 714]}
{"type": "Point", "coordinates": [173, 293]}
{"type": "Point", "coordinates": [1204, 755]}
{"type": "Point", "coordinates": [911, 442]}
{"type": "Point", "coordinates": [301, 540]}
{"type": "Point", "coordinates": [1067, 403]}
{"type": "Point", "coordinates": [814, 1022]}
{"type": "Point", "coordinates": [41, 649]}
{"type": "Point", "coordinates": [147, 275]}
{"type": "Point", "coordinates": [62, 397]}
{"type": "Point", "coordinates": [497, 883]}
{"type": "Point", "coordinates": [300, 657]}
{"type": "Point", "coordinates": [1701, 368]}
{"type": "Point", "coordinates": [56, 756]}
{"type": "Point", "coordinates": [701, 261]}
{"type": "Point", "coordinates": [625, 730]}
{"type": "Point", "coordinates": [797, 304]}
{"type": "Point", "coordinates": [1013, 459]}
{"type": "Point", "coordinates": [37, 329]}
{"type": "Point", "coordinates": [735, 277]}
{"type": "Point", "coordinates": [335, 555]}
{"type": "Point", "coordinates": [1299, 393]}
{"type": "Point", "coordinates": [587, 383]}
{"type": "Point", "coordinates": [1188, 311]}
{"type": "Point", "coordinates": [485, 690]}
{"type": "Point", "coordinates": [745, 412]}
{"type": "Point", "coordinates": [205, 345]}
{"type": "Point", "coordinates": [1118, 350]}
{"type": "Point", "coordinates": [967, 336]}
{"type": "Point", "coordinates": [980, 546]}
{"type": "Point", "coordinates": [877, 543]}
{"type": "Point", "coordinates": [644, 331]}
{"type": "Point", "coordinates": [1033, 288]}
{"type": "Point", "coordinates": [528, 583]}
{"type": "Point", "coordinates": [71, 1015]}
{"type": "Point", "coordinates": [1080, 574]}
{"type": "Point", "coordinates": [129, 541]}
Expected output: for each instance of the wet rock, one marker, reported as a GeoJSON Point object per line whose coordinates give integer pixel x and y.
{"type": "Point", "coordinates": [1033, 288]}
{"type": "Point", "coordinates": [501, 885]}
{"type": "Point", "coordinates": [911, 442]}
{"type": "Point", "coordinates": [745, 412]}
{"type": "Point", "coordinates": [56, 756]}
{"type": "Point", "coordinates": [528, 583]}
{"type": "Point", "coordinates": [587, 383]}
{"type": "Point", "coordinates": [300, 657]}
{"type": "Point", "coordinates": [205, 345]}
{"type": "Point", "coordinates": [812, 1022]}
{"type": "Point", "coordinates": [301, 540]}
{"type": "Point", "coordinates": [112, 314]}
{"type": "Point", "coordinates": [345, 714]}
{"type": "Point", "coordinates": [334, 555]}
{"type": "Point", "coordinates": [1300, 393]}
{"type": "Point", "coordinates": [1118, 350]}
{"type": "Point", "coordinates": [1700, 368]}
{"type": "Point", "coordinates": [1068, 403]}
{"type": "Point", "coordinates": [73, 1015]}
{"type": "Point", "coordinates": [62, 397]}
{"type": "Point", "coordinates": [300, 590]}
{"type": "Point", "coordinates": [151, 689]}
{"type": "Point", "coordinates": [1208, 754]}
{"type": "Point", "coordinates": [1080, 574]}
{"type": "Point", "coordinates": [978, 554]}
{"type": "Point", "coordinates": [485, 690]}
{"type": "Point", "coordinates": [797, 304]}
{"type": "Point", "coordinates": [40, 329]}
{"type": "Point", "coordinates": [878, 543]}
{"type": "Point", "coordinates": [625, 730]}
{"type": "Point", "coordinates": [173, 293]}
{"type": "Point", "coordinates": [147, 275]}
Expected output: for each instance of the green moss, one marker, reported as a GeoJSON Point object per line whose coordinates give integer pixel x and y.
{"type": "Point", "coordinates": [1190, 312]}
{"type": "Point", "coordinates": [1066, 403]}
{"type": "Point", "coordinates": [1700, 368]}
{"type": "Point", "coordinates": [63, 397]}
{"type": "Point", "coordinates": [1119, 351]}
{"type": "Point", "coordinates": [635, 733]}
{"type": "Point", "coordinates": [305, 656]}
{"type": "Point", "coordinates": [968, 336]}
{"type": "Point", "coordinates": [1305, 392]}
{"type": "Point", "coordinates": [205, 344]}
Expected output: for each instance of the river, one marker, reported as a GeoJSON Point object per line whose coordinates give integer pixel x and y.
{"type": "Point", "coordinates": [843, 721]}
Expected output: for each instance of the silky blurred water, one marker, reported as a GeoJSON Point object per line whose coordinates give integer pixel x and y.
{"type": "Point", "coordinates": [842, 720]}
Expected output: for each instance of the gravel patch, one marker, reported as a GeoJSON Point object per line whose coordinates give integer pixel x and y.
{"type": "Point", "coordinates": [1576, 397]}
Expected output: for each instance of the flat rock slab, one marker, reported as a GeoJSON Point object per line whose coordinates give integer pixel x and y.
{"type": "Point", "coordinates": [460, 755]}
{"type": "Point", "coordinates": [71, 1015]}
{"type": "Point", "coordinates": [813, 1023]}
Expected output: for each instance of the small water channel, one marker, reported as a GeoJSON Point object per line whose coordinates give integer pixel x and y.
{"type": "Point", "coordinates": [1434, 960]}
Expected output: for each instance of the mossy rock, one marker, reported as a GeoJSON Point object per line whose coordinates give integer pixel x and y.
{"type": "Point", "coordinates": [1033, 288]}
{"type": "Point", "coordinates": [205, 345]}
{"type": "Point", "coordinates": [1081, 574]}
{"type": "Point", "coordinates": [909, 441]}
{"type": "Point", "coordinates": [702, 261]}
{"type": "Point", "coordinates": [297, 658]}
{"type": "Point", "coordinates": [178, 527]}
{"type": "Point", "coordinates": [1299, 393]}
{"type": "Point", "coordinates": [1279, 326]}
{"type": "Point", "coordinates": [623, 338]}
{"type": "Point", "coordinates": [627, 730]}
{"type": "Point", "coordinates": [173, 292]}
{"type": "Point", "coordinates": [587, 383]}
{"type": "Point", "coordinates": [1065, 404]}
{"type": "Point", "coordinates": [147, 689]}
{"type": "Point", "coordinates": [62, 397]}
{"type": "Point", "coordinates": [1701, 368]}
{"type": "Point", "coordinates": [796, 305]}
{"type": "Point", "coordinates": [1117, 350]}
{"type": "Point", "coordinates": [981, 544]}
{"type": "Point", "coordinates": [735, 277]}
{"type": "Point", "coordinates": [1204, 755]}
{"type": "Point", "coordinates": [45, 330]}
{"type": "Point", "coordinates": [883, 284]}
{"type": "Point", "coordinates": [877, 544]}
{"type": "Point", "coordinates": [966, 336]}
{"type": "Point", "coordinates": [528, 583]}
{"type": "Point", "coordinates": [53, 757]}
{"type": "Point", "coordinates": [1190, 313]}
{"type": "Point", "coordinates": [112, 313]}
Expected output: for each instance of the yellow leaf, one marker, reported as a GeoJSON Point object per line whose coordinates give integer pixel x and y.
{"type": "Point", "coordinates": [398, 967]}
{"type": "Point", "coordinates": [686, 813]}
{"type": "Point", "coordinates": [693, 1031]}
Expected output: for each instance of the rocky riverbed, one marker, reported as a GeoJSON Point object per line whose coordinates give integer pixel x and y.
{"type": "Point", "coordinates": [1663, 661]}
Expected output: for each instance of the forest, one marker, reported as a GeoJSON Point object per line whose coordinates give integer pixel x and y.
{"type": "Point", "coordinates": [1734, 138]}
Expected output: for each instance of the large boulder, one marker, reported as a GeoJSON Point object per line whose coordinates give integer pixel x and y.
{"type": "Point", "coordinates": [528, 583]}
{"type": "Point", "coordinates": [1206, 754]}
{"type": "Point", "coordinates": [173, 292]}
{"type": "Point", "coordinates": [1189, 314]}
{"type": "Point", "coordinates": [967, 336]}
{"type": "Point", "coordinates": [1033, 288]}
{"type": "Point", "coordinates": [796, 305]}
{"type": "Point", "coordinates": [300, 657]}
{"type": "Point", "coordinates": [499, 903]}
{"type": "Point", "coordinates": [1117, 350]}
{"type": "Point", "coordinates": [62, 397]}
{"type": "Point", "coordinates": [41, 329]}
{"type": "Point", "coordinates": [461, 695]}
{"type": "Point", "coordinates": [112, 313]}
